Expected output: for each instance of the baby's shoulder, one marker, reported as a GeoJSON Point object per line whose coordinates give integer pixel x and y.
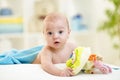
{"type": "Point", "coordinates": [72, 45]}
{"type": "Point", "coordinates": [45, 51]}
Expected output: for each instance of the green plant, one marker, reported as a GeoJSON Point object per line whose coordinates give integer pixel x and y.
{"type": "Point", "coordinates": [112, 24]}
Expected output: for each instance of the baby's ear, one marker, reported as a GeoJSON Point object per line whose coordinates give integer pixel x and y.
{"type": "Point", "coordinates": [69, 31]}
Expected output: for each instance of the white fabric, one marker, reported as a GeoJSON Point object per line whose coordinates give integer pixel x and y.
{"type": "Point", "coordinates": [35, 72]}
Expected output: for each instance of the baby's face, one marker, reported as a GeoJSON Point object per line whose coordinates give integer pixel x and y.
{"type": "Point", "coordinates": [56, 33]}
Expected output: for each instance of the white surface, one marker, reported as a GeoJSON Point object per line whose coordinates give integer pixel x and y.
{"type": "Point", "coordinates": [34, 72]}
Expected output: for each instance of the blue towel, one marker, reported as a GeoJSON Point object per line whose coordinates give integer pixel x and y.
{"type": "Point", "coordinates": [15, 56]}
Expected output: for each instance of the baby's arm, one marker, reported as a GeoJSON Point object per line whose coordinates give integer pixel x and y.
{"type": "Point", "coordinates": [37, 60]}
{"type": "Point", "coordinates": [48, 66]}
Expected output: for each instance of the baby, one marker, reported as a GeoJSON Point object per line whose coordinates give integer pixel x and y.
{"type": "Point", "coordinates": [57, 49]}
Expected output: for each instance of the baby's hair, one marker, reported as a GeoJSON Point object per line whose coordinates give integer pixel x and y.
{"type": "Point", "coordinates": [52, 17]}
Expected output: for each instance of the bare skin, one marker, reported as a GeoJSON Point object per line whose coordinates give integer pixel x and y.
{"type": "Point", "coordinates": [57, 49]}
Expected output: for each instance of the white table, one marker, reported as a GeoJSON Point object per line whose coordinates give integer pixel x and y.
{"type": "Point", "coordinates": [35, 72]}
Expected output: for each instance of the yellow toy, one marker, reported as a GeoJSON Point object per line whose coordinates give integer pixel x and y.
{"type": "Point", "coordinates": [83, 60]}
{"type": "Point", "coordinates": [79, 59]}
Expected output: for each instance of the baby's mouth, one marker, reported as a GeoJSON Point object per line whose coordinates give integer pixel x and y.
{"type": "Point", "coordinates": [56, 42]}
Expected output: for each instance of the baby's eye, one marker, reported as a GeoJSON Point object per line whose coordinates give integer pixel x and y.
{"type": "Point", "coordinates": [50, 33]}
{"type": "Point", "coordinates": [60, 32]}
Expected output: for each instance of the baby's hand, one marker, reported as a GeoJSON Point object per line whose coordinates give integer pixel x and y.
{"type": "Point", "coordinates": [67, 72]}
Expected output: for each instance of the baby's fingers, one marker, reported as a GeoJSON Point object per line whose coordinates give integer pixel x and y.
{"type": "Point", "coordinates": [70, 71]}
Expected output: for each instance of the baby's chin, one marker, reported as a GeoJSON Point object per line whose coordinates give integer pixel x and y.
{"type": "Point", "coordinates": [57, 46]}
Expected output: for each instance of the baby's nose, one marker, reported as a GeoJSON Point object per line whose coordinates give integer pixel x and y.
{"type": "Point", "coordinates": [55, 35]}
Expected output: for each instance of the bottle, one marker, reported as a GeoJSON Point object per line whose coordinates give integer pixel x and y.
{"type": "Point", "coordinates": [5, 9]}
{"type": "Point", "coordinates": [76, 22]}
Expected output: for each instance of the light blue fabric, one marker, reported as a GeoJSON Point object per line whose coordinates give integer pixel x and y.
{"type": "Point", "coordinates": [19, 56]}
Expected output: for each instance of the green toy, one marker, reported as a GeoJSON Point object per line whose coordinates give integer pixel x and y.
{"type": "Point", "coordinates": [88, 68]}
{"type": "Point", "coordinates": [79, 59]}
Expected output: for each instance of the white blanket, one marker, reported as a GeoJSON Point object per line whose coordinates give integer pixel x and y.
{"type": "Point", "coordinates": [35, 72]}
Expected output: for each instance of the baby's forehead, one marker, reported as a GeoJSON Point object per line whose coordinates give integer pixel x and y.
{"type": "Point", "coordinates": [55, 25]}
{"type": "Point", "coordinates": [56, 22]}
{"type": "Point", "coordinates": [55, 19]}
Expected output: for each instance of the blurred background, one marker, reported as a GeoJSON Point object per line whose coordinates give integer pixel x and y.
{"type": "Point", "coordinates": [93, 23]}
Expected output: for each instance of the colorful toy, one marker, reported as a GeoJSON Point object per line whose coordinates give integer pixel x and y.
{"type": "Point", "coordinates": [79, 59]}
{"type": "Point", "coordinates": [102, 67]}
{"type": "Point", "coordinates": [83, 61]}
{"type": "Point", "coordinates": [95, 62]}
{"type": "Point", "coordinates": [89, 66]}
